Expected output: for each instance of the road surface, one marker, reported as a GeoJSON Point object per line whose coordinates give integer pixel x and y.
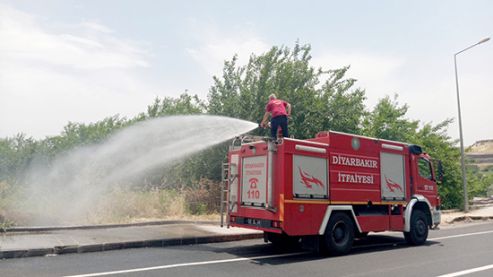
{"type": "Point", "coordinates": [462, 251]}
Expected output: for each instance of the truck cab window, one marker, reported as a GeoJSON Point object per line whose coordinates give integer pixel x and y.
{"type": "Point", "coordinates": [424, 168]}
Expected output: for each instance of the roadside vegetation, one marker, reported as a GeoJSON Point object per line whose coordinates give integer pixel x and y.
{"type": "Point", "coordinates": [322, 99]}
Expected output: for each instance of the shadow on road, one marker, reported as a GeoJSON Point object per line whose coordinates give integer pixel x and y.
{"type": "Point", "coordinates": [371, 243]}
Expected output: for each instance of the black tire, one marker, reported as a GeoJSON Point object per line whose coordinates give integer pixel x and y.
{"type": "Point", "coordinates": [418, 233]}
{"type": "Point", "coordinates": [339, 234]}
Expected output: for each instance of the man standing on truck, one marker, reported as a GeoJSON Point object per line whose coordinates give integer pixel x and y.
{"type": "Point", "coordinates": [279, 111]}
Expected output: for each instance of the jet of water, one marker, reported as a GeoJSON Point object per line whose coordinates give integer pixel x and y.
{"type": "Point", "coordinates": [67, 189]}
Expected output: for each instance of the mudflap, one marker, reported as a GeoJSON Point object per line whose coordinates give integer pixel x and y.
{"type": "Point", "coordinates": [436, 219]}
{"type": "Point", "coordinates": [312, 243]}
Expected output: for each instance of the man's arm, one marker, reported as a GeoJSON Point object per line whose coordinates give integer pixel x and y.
{"type": "Point", "coordinates": [288, 107]}
{"type": "Point", "coordinates": [264, 120]}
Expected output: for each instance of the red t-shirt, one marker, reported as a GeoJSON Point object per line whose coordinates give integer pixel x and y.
{"type": "Point", "coordinates": [276, 107]}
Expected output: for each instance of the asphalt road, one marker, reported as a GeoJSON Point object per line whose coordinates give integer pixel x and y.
{"type": "Point", "coordinates": [465, 250]}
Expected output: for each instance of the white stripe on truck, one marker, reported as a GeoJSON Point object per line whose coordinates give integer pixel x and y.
{"type": "Point", "coordinates": [310, 149]}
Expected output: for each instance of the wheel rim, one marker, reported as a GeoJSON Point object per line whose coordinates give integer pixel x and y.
{"type": "Point", "coordinates": [421, 228]}
{"type": "Point", "coordinates": [339, 232]}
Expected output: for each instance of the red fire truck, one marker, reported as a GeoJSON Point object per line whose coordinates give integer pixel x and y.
{"type": "Point", "coordinates": [331, 189]}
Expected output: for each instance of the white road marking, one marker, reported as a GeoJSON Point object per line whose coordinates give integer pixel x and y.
{"type": "Point", "coordinates": [463, 235]}
{"type": "Point", "coordinates": [269, 257]}
{"type": "Point", "coordinates": [186, 264]}
{"type": "Point", "coordinates": [468, 271]}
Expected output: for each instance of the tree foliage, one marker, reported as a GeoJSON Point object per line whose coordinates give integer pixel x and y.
{"type": "Point", "coordinates": [184, 104]}
{"type": "Point", "coordinates": [16, 153]}
{"type": "Point", "coordinates": [387, 120]}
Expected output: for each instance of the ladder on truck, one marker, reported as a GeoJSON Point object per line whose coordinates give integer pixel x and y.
{"type": "Point", "coordinates": [227, 179]}
{"type": "Point", "coordinates": [225, 190]}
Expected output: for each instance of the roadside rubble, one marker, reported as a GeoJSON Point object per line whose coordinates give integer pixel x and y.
{"type": "Point", "coordinates": [480, 210]}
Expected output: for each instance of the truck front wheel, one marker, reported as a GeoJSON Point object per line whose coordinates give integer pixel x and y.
{"type": "Point", "coordinates": [339, 234]}
{"type": "Point", "coordinates": [418, 233]}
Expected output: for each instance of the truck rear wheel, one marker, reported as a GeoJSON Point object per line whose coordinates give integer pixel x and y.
{"type": "Point", "coordinates": [418, 233]}
{"type": "Point", "coordinates": [339, 234]}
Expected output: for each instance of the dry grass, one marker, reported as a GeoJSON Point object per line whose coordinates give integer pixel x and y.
{"type": "Point", "coordinates": [122, 206]}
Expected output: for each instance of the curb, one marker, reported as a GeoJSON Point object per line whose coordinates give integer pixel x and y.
{"type": "Point", "coordinates": [469, 218]}
{"type": "Point", "coordinates": [101, 226]}
{"type": "Point", "coordinates": [451, 211]}
{"type": "Point", "coordinates": [70, 249]}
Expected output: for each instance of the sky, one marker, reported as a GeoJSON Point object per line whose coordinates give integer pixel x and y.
{"type": "Point", "coordinates": [82, 61]}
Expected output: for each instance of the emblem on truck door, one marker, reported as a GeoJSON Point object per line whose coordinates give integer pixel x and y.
{"type": "Point", "coordinates": [392, 185]}
{"type": "Point", "coordinates": [253, 192]}
{"type": "Point", "coordinates": [308, 179]}
{"type": "Point", "coordinates": [253, 183]}
{"type": "Point", "coordinates": [355, 143]}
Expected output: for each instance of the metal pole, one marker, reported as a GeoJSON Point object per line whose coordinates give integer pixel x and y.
{"type": "Point", "coordinates": [462, 159]}
{"type": "Point", "coordinates": [462, 162]}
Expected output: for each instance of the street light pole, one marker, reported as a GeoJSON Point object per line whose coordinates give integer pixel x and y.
{"type": "Point", "coordinates": [462, 158]}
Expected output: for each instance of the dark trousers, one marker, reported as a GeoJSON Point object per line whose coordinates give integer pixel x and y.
{"type": "Point", "coordinates": [279, 121]}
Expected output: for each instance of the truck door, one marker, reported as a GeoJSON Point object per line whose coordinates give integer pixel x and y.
{"type": "Point", "coordinates": [425, 180]}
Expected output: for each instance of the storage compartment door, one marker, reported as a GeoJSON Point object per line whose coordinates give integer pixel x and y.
{"type": "Point", "coordinates": [253, 181]}
{"type": "Point", "coordinates": [392, 181]}
{"type": "Point", "coordinates": [310, 177]}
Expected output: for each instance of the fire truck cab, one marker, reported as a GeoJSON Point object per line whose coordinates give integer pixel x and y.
{"type": "Point", "coordinates": [331, 189]}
